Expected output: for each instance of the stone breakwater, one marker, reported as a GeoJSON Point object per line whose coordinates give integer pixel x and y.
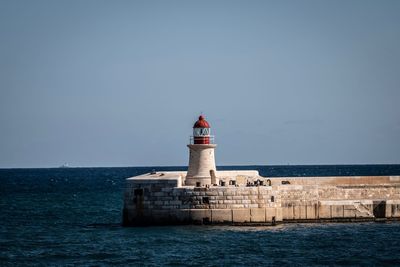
{"type": "Point", "coordinates": [244, 197]}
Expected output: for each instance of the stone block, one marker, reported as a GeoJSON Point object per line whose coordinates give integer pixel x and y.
{"type": "Point", "coordinates": [230, 192]}
{"type": "Point", "coordinates": [165, 189]}
{"type": "Point", "coordinates": [212, 193]}
{"type": "Point", "coordinates": [159, 194]}
{"type": "Point", "coordinates": [200, 189]}
{"type": "Point", "coordinates": [181, 215]}
{"type": "Point", "coordinates": [388, 212]}
{"type": "Point", "coordinates": [299, 212]}
{"type": "Point", "coordinates": [395, 210]}
{"type": "Point", "coordinates": [265, 190]}
{"type": "Point", "coordinates": [324, 211]}
{"type": "Point", "coordinates": [202, 206]}
{"type": "Point", "coordinates": [311, 212]}
{"type": "Point", "coordinates": [253, 191]}
{"type": "Point", "coordinates": [279, 216]}
{"type": "Point", "coordinates": [242, 192]}
{"type": "Point", "coordinates": [349, 211]}
{"type": "Point", "coordinates": [337, 211]}
{"type": "Point", "coordinates": [200, 215]}
{"type": "Point", "coordinates": [221, 215]}
{"type": "Point", "coordinates": [287, 213]}
{"type": "Point", "coordinates": [158, 202]}
{"type": "Point", "coordinates": [257, 215]}
{"type": "Point", "coordinates": [269, 214]}
{"type": "Point", "coordinates": [241, 215]}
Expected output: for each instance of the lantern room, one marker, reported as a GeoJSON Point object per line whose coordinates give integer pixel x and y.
{"type": "Point", "coordinates": [201, 132]}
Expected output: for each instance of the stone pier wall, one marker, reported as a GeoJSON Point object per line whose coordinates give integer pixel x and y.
{"type": "Point", "coordinates": [313, 202]}
{"type": "Point", "coordinates": [150, 202]}
{"type": "Point", "coordinates": [162, 199]}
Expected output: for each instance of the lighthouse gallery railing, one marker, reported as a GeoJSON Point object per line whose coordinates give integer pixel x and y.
{"type": "Point", "coordinates": [210, 139]}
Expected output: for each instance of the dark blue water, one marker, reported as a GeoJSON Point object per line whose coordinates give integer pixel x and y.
{"type": "Point", "coordinates": [72, 217]}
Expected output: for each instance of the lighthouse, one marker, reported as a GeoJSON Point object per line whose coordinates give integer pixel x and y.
{"type": "Point", "coordinates": [201, 170]}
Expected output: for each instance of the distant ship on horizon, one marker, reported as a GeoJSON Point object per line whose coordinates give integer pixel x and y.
{"type": "Point", "coordinates": [65, 165]}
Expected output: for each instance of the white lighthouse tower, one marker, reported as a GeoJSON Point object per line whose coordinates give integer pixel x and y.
{"type": "Point", "coordinates": [201, 169]}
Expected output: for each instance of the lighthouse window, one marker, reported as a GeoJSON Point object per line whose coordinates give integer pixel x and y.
{"type": "Point", "coordinates": [201, 131]}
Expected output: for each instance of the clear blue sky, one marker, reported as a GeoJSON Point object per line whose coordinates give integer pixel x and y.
{"type": "Point", "coordinates": [120, 83]}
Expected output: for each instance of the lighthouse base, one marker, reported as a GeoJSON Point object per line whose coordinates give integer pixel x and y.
{"type": "Point", "coordinates": [201, 170]}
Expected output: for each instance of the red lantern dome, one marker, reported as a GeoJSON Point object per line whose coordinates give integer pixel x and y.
{"type": "Point", "coordinates": [201, 123]}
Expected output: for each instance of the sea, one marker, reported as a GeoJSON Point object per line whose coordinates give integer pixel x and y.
{"type": "Point", "coordinates": [72, 217]}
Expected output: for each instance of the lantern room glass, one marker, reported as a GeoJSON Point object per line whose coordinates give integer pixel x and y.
{"type": "Point", "coordinates": [201, 131]}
